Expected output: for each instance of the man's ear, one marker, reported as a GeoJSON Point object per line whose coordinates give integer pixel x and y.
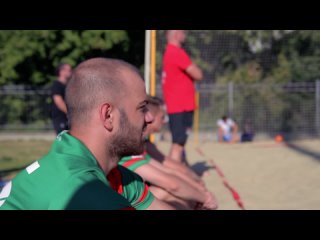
{"type": "Point", "coordinates": [106, 116]}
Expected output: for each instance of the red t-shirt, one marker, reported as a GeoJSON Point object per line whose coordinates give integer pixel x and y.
{"type": "Point", "coordinates": [177, 86]}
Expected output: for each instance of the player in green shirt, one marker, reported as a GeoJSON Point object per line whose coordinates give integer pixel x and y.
{"type": "Point", "coordinates": [69, 177]}
{"type": "Point", "coordinates": [134, 162]}
{"type": "Point", "coordinates": [101, 97]}
{"type": "Point", "coordinates": [167, 183]}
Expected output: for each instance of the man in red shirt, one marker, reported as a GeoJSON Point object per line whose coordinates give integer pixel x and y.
{"type": "Point", "coordinates": [178, 76]}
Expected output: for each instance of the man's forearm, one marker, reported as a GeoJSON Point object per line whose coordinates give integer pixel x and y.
{"type": "Point", "coordinates": [188, 179]}
{"type": "Point", "coordinates": [188, 191]}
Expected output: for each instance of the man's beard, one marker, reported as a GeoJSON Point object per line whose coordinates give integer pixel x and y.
{"type": "Point", "coordinates": [128, 141]}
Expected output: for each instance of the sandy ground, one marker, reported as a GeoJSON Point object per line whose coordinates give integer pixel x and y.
{"type": "Point", "coordinates": [267, 175]}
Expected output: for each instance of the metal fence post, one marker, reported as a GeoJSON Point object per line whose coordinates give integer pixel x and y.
{"type": "Point", "coordinates": [317, 118]}
{"type": "Point", "coordinates": [230, 99]}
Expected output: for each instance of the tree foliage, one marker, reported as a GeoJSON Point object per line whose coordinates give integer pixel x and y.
{"type": "Point", "coordinates": [30, 56]}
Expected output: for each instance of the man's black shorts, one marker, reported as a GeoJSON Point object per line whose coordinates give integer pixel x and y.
{"type": "Point", "coordinates": [179, 124]}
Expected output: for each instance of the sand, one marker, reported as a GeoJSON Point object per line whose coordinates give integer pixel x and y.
{"type": "Point", "coordinates": [267, 175]}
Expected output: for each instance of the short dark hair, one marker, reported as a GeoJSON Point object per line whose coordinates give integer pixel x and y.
{"type": "Point", "coordinates": [154, 103]}
{"type": "Point", "coordinates": [154, 100]}
{"type": "Point", "coordinates": [59, 68]}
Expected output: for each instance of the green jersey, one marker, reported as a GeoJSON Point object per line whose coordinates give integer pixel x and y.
{"type": "Point", "coordinates": [133, 162]}
{"type": "Point", "coordinates": [68, 177]}
{"type": "Point", "coordinates": [131, 186]}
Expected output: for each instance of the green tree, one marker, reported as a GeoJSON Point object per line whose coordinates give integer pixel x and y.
{"type": "Point", "coordinates": [30, 56]}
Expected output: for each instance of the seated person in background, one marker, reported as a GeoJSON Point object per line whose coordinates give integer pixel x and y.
{"type": "Point", "coordinates": [173, 186]}
{"type": "Point", "coordinates": [248, 132]}
{"type": "Point", "coordinates": [228, 130]}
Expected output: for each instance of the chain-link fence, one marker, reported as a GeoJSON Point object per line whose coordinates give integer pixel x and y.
{"type": "Point", "coordinates": [265, 78]}
{"type": "Point", "coordinates": [291, 109]}
{"type": "Point", "coordinates": [25, 108]}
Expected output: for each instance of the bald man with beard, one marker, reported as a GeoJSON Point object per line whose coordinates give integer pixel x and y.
{"type": "Point", "coordinates": [107, 114]}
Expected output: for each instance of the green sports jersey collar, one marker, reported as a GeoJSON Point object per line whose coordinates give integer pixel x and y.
{"type": "Point", "coordinates": [68, 145]}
